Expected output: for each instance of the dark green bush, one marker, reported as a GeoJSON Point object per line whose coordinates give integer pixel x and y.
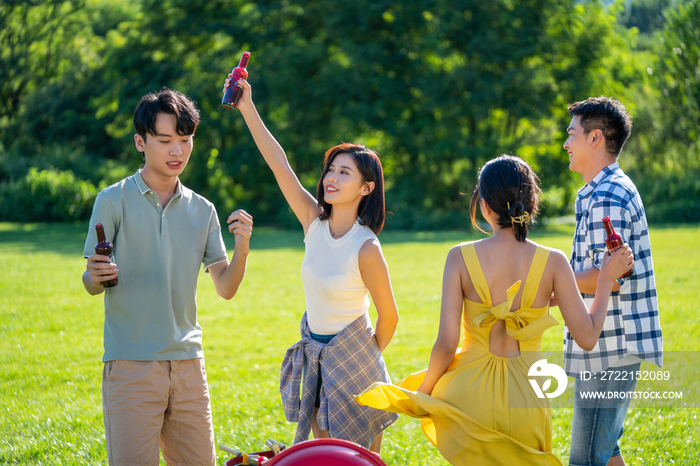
{"type": "Point", "coordinates": [46, 195]}
{"type": "Point", "coordinates": [672, 198]}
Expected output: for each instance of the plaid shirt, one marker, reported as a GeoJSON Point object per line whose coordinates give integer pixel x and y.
{"type": "Point", "coordinates": [632, 323]}
{"type": "Point", "coordinates": [349, 363]}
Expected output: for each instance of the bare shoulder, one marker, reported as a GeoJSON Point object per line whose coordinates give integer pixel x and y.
{"type": "Point", "coordinates": [557, 258]}
{"type": "Point", "coordinates": [370, 244]}
{"type": "Point", "coordinates": [370, 251]}
{"type": "Point", "coordinates": [455, 259]}
{"type": "Point", "coordinates": [455, 252]}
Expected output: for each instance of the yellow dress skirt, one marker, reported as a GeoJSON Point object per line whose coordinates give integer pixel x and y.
{"type": "Point", "coordinates": [483, 410]}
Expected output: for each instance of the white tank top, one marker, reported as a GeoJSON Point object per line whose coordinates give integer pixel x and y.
{"type": "Point", "coordinates": [335, 293]}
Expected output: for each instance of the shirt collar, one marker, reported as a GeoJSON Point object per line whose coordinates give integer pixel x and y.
{"type": "Point", "coordinates": [588, 188]}
{"type": "Point", "coordinates": [143, 187]}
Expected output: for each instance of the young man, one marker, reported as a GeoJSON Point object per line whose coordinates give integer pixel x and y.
{"type": "Point", "coordinates": [631, 333]}
{"type": "Point", "coordinates": [154, 387]}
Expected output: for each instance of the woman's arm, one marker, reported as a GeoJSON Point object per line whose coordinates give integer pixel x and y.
{"type": "Point", "coordinates": [585, 326]}
{"type": "Point", "coordinates": [303, 204]}
{"type": "Point", "coordinates": [375, 274]}
{"type": "Point", "coordinates": [450, 320]}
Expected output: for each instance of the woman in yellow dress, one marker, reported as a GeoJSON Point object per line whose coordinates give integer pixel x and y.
{"type": "Point", "coordinates": [477, 405]}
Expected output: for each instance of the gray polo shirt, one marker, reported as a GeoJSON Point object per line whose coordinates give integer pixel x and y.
{"type": "Point", "coordinates": [151, 315]}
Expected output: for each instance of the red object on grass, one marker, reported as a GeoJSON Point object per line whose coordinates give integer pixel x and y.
{"type": "Point", "coordinates": [235, 461]}
{"type": "Point", "coordinates": [320, 452]}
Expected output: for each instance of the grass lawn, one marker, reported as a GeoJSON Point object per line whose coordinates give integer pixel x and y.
{"type": "Point", "coordinates": [51, 344]}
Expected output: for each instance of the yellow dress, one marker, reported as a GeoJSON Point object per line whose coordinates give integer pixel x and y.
{"type": "Point", "coordinates": [483, 410]}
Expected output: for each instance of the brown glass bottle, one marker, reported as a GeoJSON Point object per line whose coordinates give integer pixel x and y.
{"type": "Point", "coordinates": [104, 248]}
{"type": "Point", "coordinates": [234, 90]}
{"type": "Point", "coordinates": [613, 241]}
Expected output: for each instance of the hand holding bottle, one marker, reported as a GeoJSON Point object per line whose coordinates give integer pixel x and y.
{"type": "Point", "coordinates": [101, 267]}
{"type": "Point", "coordinates": [615, 264]}
{"type": "Point", "coordinates": [101, 270]}
{"type": "Point", "coordinates": [613, 241]}
{"type": "Point", "coordinates": [246, 97]}
{"type": "Point", "coordinates": [233, 94]}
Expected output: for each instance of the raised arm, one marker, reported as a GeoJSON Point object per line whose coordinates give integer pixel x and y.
{"type": "Point", "coordinates": [303, 204]}
{"type": "Point", "coordinates": [450, 320]}
{"type": "Point", "coordinates": [375, 274]}
{"type": "Point", "coordinates": [584, 325]}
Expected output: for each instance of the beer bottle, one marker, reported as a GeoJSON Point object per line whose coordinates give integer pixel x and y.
{"type": "Point", "coordinates": [234, 90]}
{"type": "Point", "coordinates": [104, 248]}
{"type": "Point", "coordinates": [613, 241]}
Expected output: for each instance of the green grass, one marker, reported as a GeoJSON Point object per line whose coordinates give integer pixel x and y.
{"type": "Point", "coordinates": [51, 344]}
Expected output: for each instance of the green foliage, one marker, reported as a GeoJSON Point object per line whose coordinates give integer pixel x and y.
{"type": "Point", "coordinates": [672, 198]}
{"type": "Point", "coordinates": [437, 88]}
{"type": "Point", "coordinates": [47, 195]}
{"type": "Point", "coordinates": [38, 40]}
{"type": "Point", "coordinates": [678, 75]}
{"type": "Point", "coordinates": [645, 15]}
{"type": "Point", "coordinates": [663, 155]}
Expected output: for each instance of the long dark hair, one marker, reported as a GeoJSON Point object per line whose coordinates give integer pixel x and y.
{"type": "Point", "coordinates": [510, 188]}
{"type": "Point", "coordinates": [372, 207]}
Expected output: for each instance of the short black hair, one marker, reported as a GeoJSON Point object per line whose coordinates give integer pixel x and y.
{"type": "Point", "coordinates": [372, 211]}
{"type": "Point", "coordinates": [166, 101]}
{"type": "Point", "coordinates": [607, 115]}
{"type": "Point", "coordinates": [511, 189]}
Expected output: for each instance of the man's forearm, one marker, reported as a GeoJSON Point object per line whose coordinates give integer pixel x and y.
{"type": "Point", "coordinates": [587, 281]}
{"type": "Point", "coordinates": [232, 277]}
{"type": "Point", "coordinates": [90, 286]}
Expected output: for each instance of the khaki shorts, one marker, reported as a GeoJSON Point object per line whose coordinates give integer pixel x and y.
{"type": "Point", "coordinates": [152, 404]}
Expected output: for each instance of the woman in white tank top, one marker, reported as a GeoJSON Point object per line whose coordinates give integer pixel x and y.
{"type": "Point", "coordinates": [343, 264]}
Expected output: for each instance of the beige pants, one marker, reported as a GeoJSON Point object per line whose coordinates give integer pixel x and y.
{"type": "Point", "coordinates": [148, 404]}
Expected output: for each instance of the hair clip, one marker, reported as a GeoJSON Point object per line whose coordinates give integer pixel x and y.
{"type": "Point", "coordinates": [521, 220]}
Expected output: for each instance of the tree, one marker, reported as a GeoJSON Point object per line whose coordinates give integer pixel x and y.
{"type": "Point", "coordinates": [645, 15]}
{"type": "Point", "coordinates": [678, 75]}
{"type": "Point", "coordinates": [437, 88]}
{"type": "Point", "coordinates": [33, 37]}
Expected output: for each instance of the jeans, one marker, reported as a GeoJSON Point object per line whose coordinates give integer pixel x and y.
{"type": "Point", "coordinates": [598, 422]}
{"type": "Point", "coordinates": [325, 339]}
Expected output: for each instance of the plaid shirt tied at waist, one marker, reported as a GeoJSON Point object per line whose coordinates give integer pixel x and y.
{"type": "Point", "coordinates": [348, 364]}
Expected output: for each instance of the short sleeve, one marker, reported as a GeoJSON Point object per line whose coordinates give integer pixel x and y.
{"type": "Point", "coordinates": [215, 250]}
{"type": "Point", "coordinates": [102, 212]}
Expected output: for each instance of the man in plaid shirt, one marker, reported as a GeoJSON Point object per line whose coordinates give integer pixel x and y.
{"type": "Point", "coordinates": [631, 333]}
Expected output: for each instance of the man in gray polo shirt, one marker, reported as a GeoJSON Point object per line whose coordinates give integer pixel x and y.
{"type": "Point", "coordinates": [154, 386]}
